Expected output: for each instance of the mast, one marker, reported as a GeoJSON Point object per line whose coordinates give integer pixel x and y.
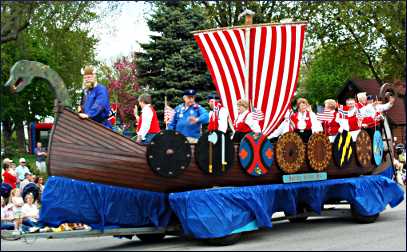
{"type": "Point", "coordinates": [248, 14]}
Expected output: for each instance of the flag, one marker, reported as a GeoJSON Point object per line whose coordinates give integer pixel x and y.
{"type": "Point", "coordinates": [168, 114]}
{"type": "Point", "coordinates": [113, 113]}
{"type": "Point", "coordinates": [257, 114]}
{"type": "Point", "coordinates": [326, 115]}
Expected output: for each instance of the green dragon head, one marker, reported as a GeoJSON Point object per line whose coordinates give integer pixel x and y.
{"type": "Point", "coordinates": [20, 75]}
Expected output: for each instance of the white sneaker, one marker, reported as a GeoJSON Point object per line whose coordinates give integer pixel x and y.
{"type": "Point", "coordinates": [33, 229]}
{"type": "Point", "coordinates": [16, 232]}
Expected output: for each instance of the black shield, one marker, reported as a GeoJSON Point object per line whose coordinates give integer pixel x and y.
{"type": "Point", "coordinates": [209, 155]}
{"type": "Point", "coordinates": [169, 153]}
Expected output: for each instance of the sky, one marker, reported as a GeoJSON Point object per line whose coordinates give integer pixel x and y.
{"type": "Point", "coordinates": [120, 31]}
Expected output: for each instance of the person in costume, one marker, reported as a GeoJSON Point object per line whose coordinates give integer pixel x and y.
{"type": "Point", "coordinates": [189, 117]}
{"type": "Point", "coordinates": [147, 124]}
{"type": "Point", "coordinates": [244, 122]}
{"type": "Point", "coordinates": [362, 100]}
{"type": "Point", "coordinates": [284, 126]}
{"type": "Point", "coordinates": [305, 121]}
{"type": "Point", "coordinates": [372, 113]}
{"type": "Point", "coordinates": [330, 119]}
{"type": "Point", "coordinates": [351, 118]}
{"type": "Point", "coordinates": [96, 104]}
{"type": "Point", "coordinates": [218, 116]}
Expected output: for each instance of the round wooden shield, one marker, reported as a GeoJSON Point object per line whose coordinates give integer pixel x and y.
{"type": "Point", "coordinates": [319, 151]}
{"type": "Point", "coordinates": [256, 154]}
{"type": "Point", "coordinates": [290, 152]}
{"type": "Point", "coordinates": [343, 149]}
{"type": "Point", "coordinates": [214, 153]}
{"type": "Point", "coordinates": [364, 150]}
{"type": "Point", "coordinates": [378, 147]}
{"type": "Point", "coordinates": [169, 153]}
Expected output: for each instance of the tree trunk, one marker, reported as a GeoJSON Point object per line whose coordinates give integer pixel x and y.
{"type": "Point", "coordinates": [7, 132]}
{"type": "Point", "coordinates": [20, 138]}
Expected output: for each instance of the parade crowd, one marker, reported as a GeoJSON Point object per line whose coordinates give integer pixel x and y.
{"type": "Point", "coordinates": [21, 196]}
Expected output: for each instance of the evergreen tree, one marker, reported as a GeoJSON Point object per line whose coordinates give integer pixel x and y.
{"type": "Point", "coordinates": [172, 61]}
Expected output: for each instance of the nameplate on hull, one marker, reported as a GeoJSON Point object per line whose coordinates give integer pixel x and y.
{"type": "Point", "coordinates": [303, 177]}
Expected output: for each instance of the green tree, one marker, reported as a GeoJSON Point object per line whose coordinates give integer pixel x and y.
{"type": "Point", "coordinates": [329, 69]}
{"type": "Point", "coordinates": [172, 62]}
{"type": "Point", "coordinates": [375, 28]}
{"type": "Point", "coordinates": [62, 42]}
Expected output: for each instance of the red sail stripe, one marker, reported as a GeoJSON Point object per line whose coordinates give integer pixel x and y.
{"type": "Point", "coordinates": [233, 82]}
{"type": "Point", "coordinates": [289, 91]}
{"type": "Point", "coordinates": [226, 86]}
{"type": "Point", "coordinates": [240, 66]}
{"type": "Point", "coordinates": [270, 66]}
{"type": "Point", "coordinates": [262, 51]}
{"type": "Point", "coordinates": [274, 100]}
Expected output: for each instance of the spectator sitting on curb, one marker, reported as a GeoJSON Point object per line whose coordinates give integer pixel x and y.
{"type": "Point", "coordinates": [7, 216]}
{"type": "Point", "coordinates": [28, 178]}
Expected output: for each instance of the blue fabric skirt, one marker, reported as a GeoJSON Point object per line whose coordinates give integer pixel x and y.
{"type": "Point", "coordinates": [101, 206]}
{"type": "Point", "coordinates": [219, 212]}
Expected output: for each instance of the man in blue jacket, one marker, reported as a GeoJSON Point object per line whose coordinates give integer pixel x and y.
{"type": "Point", "coordinates": [96, 105]}
{"type": "Point", "coordinates": [189, 117]}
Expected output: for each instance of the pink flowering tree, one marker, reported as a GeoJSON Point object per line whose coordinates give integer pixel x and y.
{"type": "Point", "coordinates": [123, 87]}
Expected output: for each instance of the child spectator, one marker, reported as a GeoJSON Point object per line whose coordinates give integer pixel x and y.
{"type": "Point", "coordinates": [6, 215]}
{"type": "Point", "coordinates": [17, 201]}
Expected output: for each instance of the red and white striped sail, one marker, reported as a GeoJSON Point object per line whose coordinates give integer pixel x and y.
{"type": "Point", "coordinates": [260, 64]}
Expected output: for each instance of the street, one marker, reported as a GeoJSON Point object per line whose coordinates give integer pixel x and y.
{"type": "Point", "coordinates": [317, 233]}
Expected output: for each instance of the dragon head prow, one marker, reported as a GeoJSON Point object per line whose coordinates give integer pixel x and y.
{"type": "Point", "coordinates": [20, 77]}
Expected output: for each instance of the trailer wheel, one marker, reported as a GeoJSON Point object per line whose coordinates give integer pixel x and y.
{"type": "Point", "coordinates": [301, 209]}
{"type": "Point", "coordinates": [225, 240]}
{"type": "Point", "coordinates": [362, 218]}
{"type": "Point", "coordinates": [150, 237]}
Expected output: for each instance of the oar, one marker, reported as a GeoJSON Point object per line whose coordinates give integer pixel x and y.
{"type": "Point", "coordinates": [210, 157]}
{"type": "Point", "coordinates": [223, 153]}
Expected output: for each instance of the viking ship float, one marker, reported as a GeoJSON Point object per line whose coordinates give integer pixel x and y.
{"type": "Point", "coordinates": [259, 63]}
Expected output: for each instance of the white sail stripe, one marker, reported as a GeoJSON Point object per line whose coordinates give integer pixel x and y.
{"type": "Point", "coordinates": [286, 103]}
{"type": "Point", "coordinates": [217, 76]}
{"type": "Point", "coordinates": [286, 72]}
{"type": "Point", "coordinates": [297, 57]}
{"type": "Point", "coordinates": [274, 76]}
{"type": "Point", "coordinates": [266, 62]}
{"type": "Point", "coordinates": [247, 62]}
{"type": "Point", "coordinates": [255, 61]}
{"type": "Point", "coordinates": [225, 68]}
{"type": "Point", "coordinates": [240, 55]}
{"type": "Point", "coordinates": [233, 62]}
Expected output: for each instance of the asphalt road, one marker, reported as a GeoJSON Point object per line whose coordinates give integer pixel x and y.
{"type": "Point", "coordinates": [388, 233]}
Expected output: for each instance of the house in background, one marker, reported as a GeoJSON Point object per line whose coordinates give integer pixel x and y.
{"type": "Point", "coordinates": [396, 115]}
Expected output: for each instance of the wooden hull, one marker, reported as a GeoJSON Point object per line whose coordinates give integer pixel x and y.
{"type": "Point", "coordinates": [85, 150]}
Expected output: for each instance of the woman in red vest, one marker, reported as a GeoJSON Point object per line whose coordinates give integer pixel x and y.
{"type": "Point", "coordinates": [305, 121]}
{"type": "Point", "coordinates": [331, 123]}
{"type": "Point", "coordinates": [147, 124]}
{"type": "Point", "coordinates": [244, 122]}
{"type": "Point", "coordinates": [9, 177]}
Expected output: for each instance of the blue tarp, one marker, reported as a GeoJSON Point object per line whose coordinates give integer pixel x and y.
{"type": "Point", "coordinates": [218, 212]}
{"type": "Point", "coordinates": [388, 173]}
{"type": "Point", "coordinates": [101, 206]}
